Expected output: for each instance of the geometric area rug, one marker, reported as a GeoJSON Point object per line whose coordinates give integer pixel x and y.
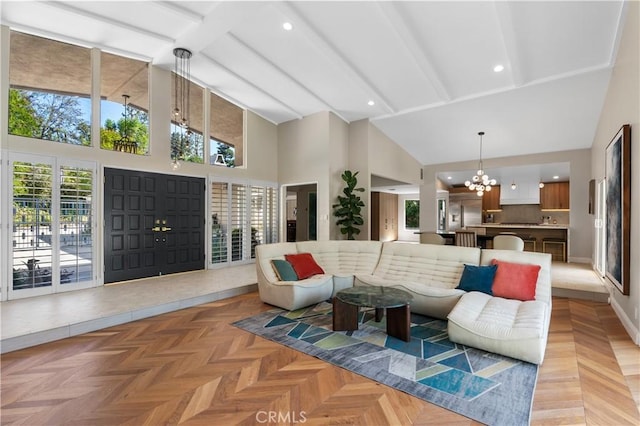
{"type": "Point", "coordinates": [486, 387]}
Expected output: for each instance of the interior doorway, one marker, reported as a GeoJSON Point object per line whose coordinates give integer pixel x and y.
{"type": "Point", "coordinates": [300, 212]}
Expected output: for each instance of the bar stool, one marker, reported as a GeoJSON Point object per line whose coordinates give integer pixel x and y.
{"type": "Point", "coordinates": [529, 239]}
{"type": "Point", "coordinates": [550, 242]}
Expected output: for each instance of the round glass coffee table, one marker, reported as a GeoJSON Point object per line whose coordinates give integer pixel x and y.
{"type": "Point", "coordinates": [347, 303]}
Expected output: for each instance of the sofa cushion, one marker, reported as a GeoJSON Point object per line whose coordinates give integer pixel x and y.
{"type": "Point", "coordinates": [504, 326]}
{"type": "Point", "coordinates": [428, 264]}
{"type": "Point", "coordinates": [284, 270]}
{"type": "Point", "coordinates": [543, 285]}
{"type": "Point", "coordinates": [477, 278]}
{"type": "Point", "coordinates": [515, 280]}
{"type": "Point", "coordinates": [343, 257]}
{"type": "Point", "coordinates": [304, 265]}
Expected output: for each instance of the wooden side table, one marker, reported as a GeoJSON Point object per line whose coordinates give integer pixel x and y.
{"type": "Point", "coordinates": [347, 303]}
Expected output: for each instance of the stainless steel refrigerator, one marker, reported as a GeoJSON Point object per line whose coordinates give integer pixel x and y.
{"type": "Point", "coordinates": [464, 212]}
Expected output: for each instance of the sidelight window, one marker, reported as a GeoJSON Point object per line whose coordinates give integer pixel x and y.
{"type": "Point", "coordinates": [52, 224]}
{"type": "Point", "coordinates": [242, 217]}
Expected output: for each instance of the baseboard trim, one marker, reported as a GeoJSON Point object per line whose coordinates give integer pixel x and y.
{"type": "Point", "coordinates": [580, 259]}
{"type": "Point", "coordinates": [634, 333]}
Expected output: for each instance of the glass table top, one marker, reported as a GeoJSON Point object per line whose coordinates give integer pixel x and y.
{"type": "Point", "coordinates": [374, 296]}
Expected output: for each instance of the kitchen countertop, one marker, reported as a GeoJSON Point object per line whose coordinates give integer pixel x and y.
{"type": "Point", "coordinates": [515, 225]}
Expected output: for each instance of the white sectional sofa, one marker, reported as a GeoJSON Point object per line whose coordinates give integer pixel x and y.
{"type": "Point", "coordinates": [431, 274]}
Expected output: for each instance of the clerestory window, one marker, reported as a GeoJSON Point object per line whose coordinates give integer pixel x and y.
{"type": "Point", "coordinates": [49, 90]}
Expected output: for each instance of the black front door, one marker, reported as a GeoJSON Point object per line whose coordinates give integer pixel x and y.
{"type": "Point", "coordinates": [154, 224]}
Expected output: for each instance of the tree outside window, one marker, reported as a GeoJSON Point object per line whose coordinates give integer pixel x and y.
{"type": "Point", "coordinates": [49, 99]}
{"type": "Point", "coordinates": [412, 214]}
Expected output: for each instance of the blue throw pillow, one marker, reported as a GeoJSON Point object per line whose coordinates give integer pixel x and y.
{"type": "Point", "coordinates": [284, 270]}
{"type": "Point", "coordinates": [478, 278]}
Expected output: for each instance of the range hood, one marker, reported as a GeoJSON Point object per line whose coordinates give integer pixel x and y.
{"type": "Point", "coordinates": [525, 192]}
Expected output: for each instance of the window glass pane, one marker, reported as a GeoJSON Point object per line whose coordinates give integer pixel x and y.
{"type": "Point", "coordinates": [50, 90]}
{"type": "Point", "coordinates": [76, 255]}
{"type": "Point", "coordinates": [226, 131]}
{"type": "Point", "coordinates": [221, 153]}
{"type": "Point", "coordinates": [124, 129]}
{"type": "Point", "coordinates": [219, 221]}
{"type": "Point", "coordinates": [271, 222]}
{"type": "Point", "coordinates": [32, 197]}
{"type": "Point", "coordinates": [238, 218]}
{"type": "Point", "coordinates": [412, 214]}
{"type": "Point", "coordinates": [187, 144]}
{"type": "Point", "coordinates": [257, 218]}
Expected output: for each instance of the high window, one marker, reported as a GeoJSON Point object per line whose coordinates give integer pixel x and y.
{"type": "Point", "coordinates": [187, 144]}
{"type": "Point", "coordinates": [50, 90]}
{"type": "Point", "coordinates": [124, 104]}
{"type": "Point", "coordinates": [225, 132]}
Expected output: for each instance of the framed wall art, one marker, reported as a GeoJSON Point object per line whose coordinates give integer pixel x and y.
{"type": "Point", "coordinates": [618, 208]}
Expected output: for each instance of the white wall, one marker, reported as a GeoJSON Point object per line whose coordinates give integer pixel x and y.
{"type": "Point", "coordinates": [387, 159]}
{"type": "Point", "coordinates": [581, 223]}
{"type": "Point", "coordinates": [622, 106]}
{"type": "Point", "coordinates": [371, 152]}
{"type": "Point", "coordinates": [303, 152]}
{"type": "Point", "coordinates": [339, 162]}
{"type": "Point", "coordinates": [318, 148]}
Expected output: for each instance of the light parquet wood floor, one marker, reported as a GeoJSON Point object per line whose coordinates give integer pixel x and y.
{"type": "Point", "coordinates": [191, 367]}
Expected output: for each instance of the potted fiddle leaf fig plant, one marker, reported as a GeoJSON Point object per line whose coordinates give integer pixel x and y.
{"type": "Point", "coordinates": [349, 207]}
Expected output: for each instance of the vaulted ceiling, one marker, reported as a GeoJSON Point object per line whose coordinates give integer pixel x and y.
{"type": "Point", "coordinates": [428, 67]}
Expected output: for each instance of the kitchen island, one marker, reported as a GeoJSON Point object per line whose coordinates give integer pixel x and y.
{"type": "Point", "coordinates": [552, 239]}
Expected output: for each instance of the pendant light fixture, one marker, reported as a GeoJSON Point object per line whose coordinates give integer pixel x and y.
{"type": "Point", "coordinates": [181, 97]}
{"type": "Point", "coordinates": [480, 182]}
{"type": "Point", "coordinates": [124, 143]}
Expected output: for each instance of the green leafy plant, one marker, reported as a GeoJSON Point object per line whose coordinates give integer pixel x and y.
{"type": "Point", "coordinates": [349, 207]}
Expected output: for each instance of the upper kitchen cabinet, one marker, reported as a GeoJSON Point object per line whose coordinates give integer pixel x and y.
{"type": "Point", "coordinates": [555, 196]}
{"type": "Point", "coordinates": [491, 199]}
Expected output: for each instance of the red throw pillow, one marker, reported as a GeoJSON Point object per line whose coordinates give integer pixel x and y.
{"type": "Point", "coordinates": [515, 280]}
{"type": "Point", "coordinates": [304, 265]}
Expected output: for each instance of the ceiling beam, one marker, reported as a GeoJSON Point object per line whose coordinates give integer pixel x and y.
{"type": "Point", "coordinates": [72, 40]}
{"type": "Point", "coordinates": [177, 8]}
{"type": "Point", "coordinates": [390, 10]}
{"type": "Point", "coordinates": [268, 64]}
{"type": "Point", "coordinates": [333, 53]}
{"type": "Point", "coordinates": [209, 59]}
{"type": "Point", "coordinates": [106, 20]}
{"type": "Point", "coordinates": [509, 39]}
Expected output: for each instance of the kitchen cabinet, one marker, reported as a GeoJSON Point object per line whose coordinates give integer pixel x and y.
{"type": "Point", "coordinates": [384, 216]}
{"type": "Point", "coordinates": [491, 199]}
{"type": "Point", "coordinates": [554, 196]}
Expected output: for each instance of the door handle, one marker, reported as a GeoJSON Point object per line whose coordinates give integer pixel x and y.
{"type": "Point", "coordinates": [156, 229]}
{"type": "Point", "coordinates": [165, 229]}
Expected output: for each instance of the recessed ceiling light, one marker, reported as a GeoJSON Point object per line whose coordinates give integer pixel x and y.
{"type": "Point", "coordinates": [288, 26]}
{"type": "Point", "coordinates": [498, 68]}
{"type": "Point", "coordinates": [449, 177]}
{"type": "Point", "coordinates": [556, 177]}
{"type": "Point", "coordinates": [371, 103]}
